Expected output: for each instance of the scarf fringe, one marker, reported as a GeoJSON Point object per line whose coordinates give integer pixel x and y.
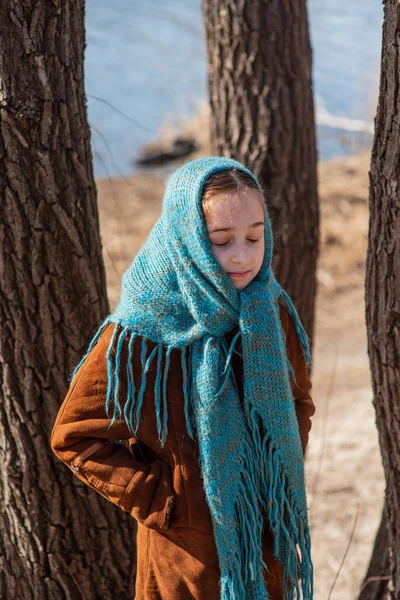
{"type": "Point", "coordinates": [90, 348]}
{"type": "Point", "coordinates": [129, 405]}
{"type": "Point", "coordinates": [187, 407]}
{"type": "Point", "coordinates": [270, 494]}
{"type": "Point", "coordinates": [287, 525]}
{"type": "Point", "coordinates": [228, 371]}
{"type": "Point", "coordinates": [133, 403]}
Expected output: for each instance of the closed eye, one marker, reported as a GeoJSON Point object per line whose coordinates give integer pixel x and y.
{"type": "Point", "coordinates": [225, 243]}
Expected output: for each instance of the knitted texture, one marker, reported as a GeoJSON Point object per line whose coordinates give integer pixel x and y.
{"type": "Point", "coordinates": [176, 294]}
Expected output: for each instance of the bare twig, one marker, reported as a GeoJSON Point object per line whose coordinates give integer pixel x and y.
{"type": "Point", "coordinates": [346, 552]}
{"type": "Point", "coordinates": [117, 110]}
{"type": "Point", "coordinates": [377, 578]}
{"type": "Point", "coordinates": [110, 152]}
{"type": "Point", "coordinates": [125, 179]}
{"type": "Point", "coordinates": [108, 177]}
{"type": "Point", "coordinates": [112, 260]}
{"type": "Point", "coordinates": [71, 575]}
{"type": "Point", "coordinates": [325, 421]}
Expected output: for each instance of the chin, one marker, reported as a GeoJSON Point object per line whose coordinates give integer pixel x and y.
{"type": "Point", "coordinates": [239, 285]}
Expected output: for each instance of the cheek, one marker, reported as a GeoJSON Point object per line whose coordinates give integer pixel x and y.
{"type": "Point", "coordinates": [220, 255]}
{"type": "Point", "coordinates": [259, 255]}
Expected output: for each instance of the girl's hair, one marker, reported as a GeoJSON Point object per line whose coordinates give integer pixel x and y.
{"type": "Point", "coordinates": [228, 180]}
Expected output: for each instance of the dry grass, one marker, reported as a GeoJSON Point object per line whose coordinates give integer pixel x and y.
{"type": "Point", "coordinates": [343, 190]}
{"type": "Point", "coordinates": [343, 464]}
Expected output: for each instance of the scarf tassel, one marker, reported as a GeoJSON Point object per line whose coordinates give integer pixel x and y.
{"type": "Point", "coordinates": [242, 577]}
{"type": "Point", "coordinates": [132, 411]}
{"type": "Point", "coordinates": [187, 405]}
{"type": "Point", "coordinates": [90, 348]}
{"type": "Point", "coordinates": [228, 371]}
{"type": "Point", "coordinates": [133, 403]}
{"type": "Point", "coordinates": [288, 529]}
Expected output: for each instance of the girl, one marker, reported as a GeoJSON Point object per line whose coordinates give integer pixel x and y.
{"type": "Point", "coordinates": [203, 368]}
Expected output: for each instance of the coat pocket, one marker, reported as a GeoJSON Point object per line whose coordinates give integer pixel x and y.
{"type": "Point", "coordinates": [78, 462]}
{"type": "Point", "coordinates": [111, 491]}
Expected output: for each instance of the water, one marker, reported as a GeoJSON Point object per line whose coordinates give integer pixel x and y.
{"type": "Point", "coordinates": [147, 59]}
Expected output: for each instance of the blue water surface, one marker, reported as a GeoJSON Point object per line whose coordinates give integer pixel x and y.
{"type": "Point", "coordinates": [145, 62]}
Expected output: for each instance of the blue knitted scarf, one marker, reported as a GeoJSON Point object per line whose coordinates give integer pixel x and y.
{"type": "Point", "coordinates": [176, 294]}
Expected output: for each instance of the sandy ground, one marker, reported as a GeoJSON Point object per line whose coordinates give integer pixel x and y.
{"type": "Point", "coordinates": [344, 472]}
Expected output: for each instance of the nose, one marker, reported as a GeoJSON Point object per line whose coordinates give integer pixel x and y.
{"type": "Point", "coordinates": [240, 255]}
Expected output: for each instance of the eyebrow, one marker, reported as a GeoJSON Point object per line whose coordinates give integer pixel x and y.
{"type": "Point", "coordinates": [232, 228]}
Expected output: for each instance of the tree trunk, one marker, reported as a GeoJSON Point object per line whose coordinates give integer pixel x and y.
{"type": "Point", "coordinates": [58, 539]}
{"type": "Point", "coordinates": [259, 66]}
{"type": "Point", "coordinates": [375, 585]}
{"type": "Point", "coordinates": [383, 277]}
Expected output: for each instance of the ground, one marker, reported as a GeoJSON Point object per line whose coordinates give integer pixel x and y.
{"type": "Point", "coordinates": [343, 464]}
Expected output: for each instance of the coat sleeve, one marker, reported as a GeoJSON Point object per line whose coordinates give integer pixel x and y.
{"type": "Point", "coordinates": [301, 389]}
{"type": "Point", "coordinates": [83, 439]}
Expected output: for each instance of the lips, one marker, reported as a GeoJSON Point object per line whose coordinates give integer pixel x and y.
{"type": "Point", "coordinates": [239, 273]}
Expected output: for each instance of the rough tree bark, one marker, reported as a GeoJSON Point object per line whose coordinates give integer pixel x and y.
{"type": "Point", "coordinates": [59, 539]}
{"type": "Point", "coordinates": [262, 114]}
{"type": "Point", "coordinates": [382, 291]}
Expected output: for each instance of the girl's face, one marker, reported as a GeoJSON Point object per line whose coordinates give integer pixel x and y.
{"type": "Point", "coordinates": [235, 225]}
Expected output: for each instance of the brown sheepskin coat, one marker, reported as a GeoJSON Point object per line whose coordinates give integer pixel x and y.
{"type": "Point", "coordinates": [160, 487]}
